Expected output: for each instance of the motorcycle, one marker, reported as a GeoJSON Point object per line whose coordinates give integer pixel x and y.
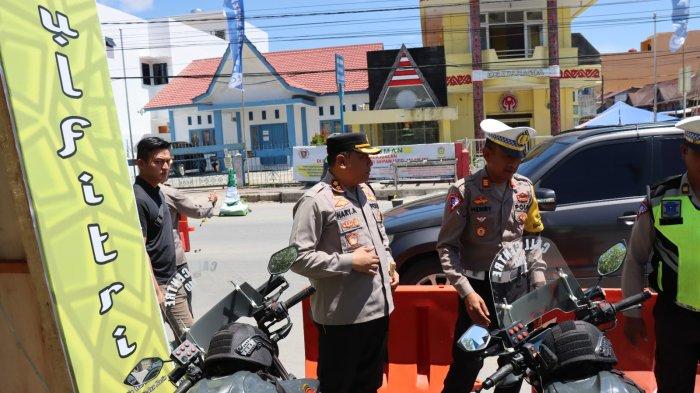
{"type": "Point", "coordinates": [221, 354]}
{"type": "Point", "coordinates": [536, 337]}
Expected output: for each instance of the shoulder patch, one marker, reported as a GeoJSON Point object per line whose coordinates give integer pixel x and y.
{"type": "Point", "coordinates": [643, 208]}
{"type": "Point", "coordinates": [454, 200]}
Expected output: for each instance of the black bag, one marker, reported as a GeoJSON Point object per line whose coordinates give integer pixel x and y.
{"type": "Point", "coordinates": [576, 349]}
{"type": "Point", "coordinates": [237, 347]}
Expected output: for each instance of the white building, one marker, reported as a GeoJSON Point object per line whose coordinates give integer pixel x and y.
{"type": "Point", "coordinates": [289, 97]}
{"type": "Point", "coordinates": [153, 52]}
{"type": "Point", "coordinates": [216, 24]}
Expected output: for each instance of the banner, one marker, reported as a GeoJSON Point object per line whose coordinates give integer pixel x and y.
{"type": "Point", "coordinates": [59, 94]}
{"type": "Point", "coordinates": [679, 17]}
{"type": "Point", "coordinates": [414, 162]}
{"type": "Point", "coordinates": [235, 17]}
{"type": "Point", "coordinates": [551, 71]}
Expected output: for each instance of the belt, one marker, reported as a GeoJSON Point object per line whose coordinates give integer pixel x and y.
{"type": "Point", "coordinates": [506, 276]}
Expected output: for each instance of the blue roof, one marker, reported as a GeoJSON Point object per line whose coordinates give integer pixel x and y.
{"type": "Point", "coordinates": [623, 114]}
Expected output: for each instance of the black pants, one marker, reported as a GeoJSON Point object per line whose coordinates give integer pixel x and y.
{"type": "Point", "coordinates": [677, 347]}
{"type": "Point", "coordinates": [351, 358]}
{"type": "Point", "coordinates": [466, 365]}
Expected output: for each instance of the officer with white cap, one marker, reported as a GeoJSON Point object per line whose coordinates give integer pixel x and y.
{"type": "Point", "coordinates": [667, 235]}
{"type": "Point", "coordinates": [485, 212]}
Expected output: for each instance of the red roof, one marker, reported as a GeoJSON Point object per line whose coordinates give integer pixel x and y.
{"type": "Point", "coordinates": [323, 59]}
{"type": "Point", "coordinates": [296, 67]}
{"type": "Point", "coordinates": [181, 91]}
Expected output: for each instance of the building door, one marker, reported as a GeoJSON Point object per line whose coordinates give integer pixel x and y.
{"type": "Point", "coordinates": [270, 143]}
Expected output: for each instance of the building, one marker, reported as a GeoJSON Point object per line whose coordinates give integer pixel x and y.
{"type": "Point", "coordinates": [289, 97]}
{"type": "Point", "coordinates": [635, 68]}
{"type": "Point", "coordinates": [143, 56]}
{"type": "Point", "coordinates": [514, 61]}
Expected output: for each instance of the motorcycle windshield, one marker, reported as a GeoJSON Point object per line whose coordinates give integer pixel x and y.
{"type": "Point", "coordinates": [530, 278]}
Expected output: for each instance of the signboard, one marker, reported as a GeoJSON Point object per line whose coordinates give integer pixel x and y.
{"type": "Point", "coordinates": [60, 97]}
{"type": "Point", "coordinates": [307, 162]}
{"type": "Point", "coordinates": [339, 70]}
{"type": "Point", "coordinates": [481, 75]}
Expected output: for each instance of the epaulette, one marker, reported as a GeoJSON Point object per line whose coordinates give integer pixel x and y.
{"type": "Point", "coordinates": [520, 177]}
{"type": "Point", "coordinates": [669, 183]}
{"type": "Point", "coordinates": [318, 187]}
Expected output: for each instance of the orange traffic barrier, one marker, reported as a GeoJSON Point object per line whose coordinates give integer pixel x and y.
{"type": "Point", "coordinates": [420, 340]}
{"type": "Point", "coordinates": [183, 229]}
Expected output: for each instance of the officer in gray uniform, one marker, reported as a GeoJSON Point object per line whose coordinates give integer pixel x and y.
{"type": "Point", "coordinates": [667, 233]}
{"type": "Point", "coordinates": [488, 211]}
{"type": "Point", "coordinates": [344, 251]}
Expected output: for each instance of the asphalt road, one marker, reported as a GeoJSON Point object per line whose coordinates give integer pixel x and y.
{"type": "Point", "coordinates": [226, 249]}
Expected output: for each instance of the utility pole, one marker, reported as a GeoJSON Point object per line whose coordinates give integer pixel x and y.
{"type": "Point", "coordinates": [128, 109]}
{"type": "Point", "coordinates": [477, 86]}
{"type": "Point", "coordinates": [553, 42]}
{"type": "Point", "coordinates": [656, 87]}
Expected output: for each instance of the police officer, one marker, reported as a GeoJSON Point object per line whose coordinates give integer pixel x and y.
{"type": "Point", "coordinates": [344, 251]}
{"type": "Point", "coordinates": [484, 213]}
{"type": "Point", "coordinates": [668, 230]}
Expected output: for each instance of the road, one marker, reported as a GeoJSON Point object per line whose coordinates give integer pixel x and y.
{"type": "Point", "coordinates": [226, 249]}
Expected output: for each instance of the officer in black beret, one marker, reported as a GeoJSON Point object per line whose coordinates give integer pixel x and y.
{"type": "Point", "coordinates": [344, 251]}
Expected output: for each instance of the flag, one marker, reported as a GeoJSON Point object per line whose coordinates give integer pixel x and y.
{"type": "Point", "coordinates": [679, 17]}
{"type": "Point", "coordinates": [236, 33]}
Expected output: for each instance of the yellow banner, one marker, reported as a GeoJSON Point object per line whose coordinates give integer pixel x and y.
{"type": "Point", "coordinates": [53, 62]}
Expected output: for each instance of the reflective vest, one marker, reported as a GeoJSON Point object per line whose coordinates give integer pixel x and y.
{"type": "Point", "coordinates": [676, 259]}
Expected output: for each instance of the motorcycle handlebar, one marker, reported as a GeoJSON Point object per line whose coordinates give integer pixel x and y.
{"type": "Point", "coordinates": [631, 301]}
{"type": "Point", "coordinates": [274, 283]}
{"type": "Point", "coordinates": [303, 294]}
{"type": "Point", "coordinates": [496, 377]}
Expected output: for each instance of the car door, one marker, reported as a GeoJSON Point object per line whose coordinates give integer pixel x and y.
{"type": "Point", "coordinates": [667, 157]}
{"type": "Point", "coordinates": [599, 188]}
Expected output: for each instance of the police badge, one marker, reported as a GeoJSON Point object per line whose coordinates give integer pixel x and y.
{"type": "Point", "coordinates": [671, 212]}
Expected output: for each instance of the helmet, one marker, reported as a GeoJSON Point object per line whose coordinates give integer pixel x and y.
{"type": "Point", "coordinates": [575, 349]}
{"type": "Point", "coordinates": [236, 347]}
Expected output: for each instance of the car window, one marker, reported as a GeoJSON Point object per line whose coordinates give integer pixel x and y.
{"type": "Point", "coordinates": [540, 155]}
{"type": "Point", "coordinates": [667, 157]}
{"type": "Point", "coordinates": [603, 171]}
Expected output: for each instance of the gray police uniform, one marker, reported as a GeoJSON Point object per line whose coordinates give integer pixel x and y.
{"type": "Point", "coordinates": [330, 222]}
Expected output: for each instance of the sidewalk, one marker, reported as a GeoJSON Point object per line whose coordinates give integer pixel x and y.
{"type": "Point", "coordinates": [292, 194]}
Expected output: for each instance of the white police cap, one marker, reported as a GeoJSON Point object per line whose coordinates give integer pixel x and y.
{"type": "Point", "coordinates": [515, 139]}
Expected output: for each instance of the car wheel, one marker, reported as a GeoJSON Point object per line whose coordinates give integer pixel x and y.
{"type": "Point", "coordinates": [423, 271]}
{"type": "Point", "coordinates": [180, 169]}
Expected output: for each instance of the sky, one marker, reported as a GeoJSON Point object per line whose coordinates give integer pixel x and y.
{"type": "Point", "coordinates": [610, 25]}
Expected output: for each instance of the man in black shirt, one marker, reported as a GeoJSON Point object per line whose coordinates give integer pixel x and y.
{"type": "Point", "coordinates": [154, 159]}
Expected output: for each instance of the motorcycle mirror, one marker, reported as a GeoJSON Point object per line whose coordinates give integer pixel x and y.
{"type": "Point", "coordinates": [474, 339]}
{"type": "Point", "coordinates": [282, 260]}
{"type": "Point", "coordinates": [144, 371]}
{"type": "Point", "coordinates": [611, 260]}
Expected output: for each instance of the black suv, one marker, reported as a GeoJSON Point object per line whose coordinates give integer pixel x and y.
{"type": "Point", "coordinates": [599, 177]}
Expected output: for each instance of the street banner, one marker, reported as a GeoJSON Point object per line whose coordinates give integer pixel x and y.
{"type": "Point", "coordinates": [415, 162]}
{"type": "Point", "coordinates": [235, 17]}
{"type": "Point", "coordinates": [679, 17]}
{"type": "Point", "coordinates": [59, 95]}
{"type": "Point", "coordinates": [551, 71]}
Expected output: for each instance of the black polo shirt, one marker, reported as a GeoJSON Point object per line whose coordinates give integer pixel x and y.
{"type": "Point", "coordinates": [156, 225]}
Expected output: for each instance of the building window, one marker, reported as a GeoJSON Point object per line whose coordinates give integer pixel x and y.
{"type": "Point", "coordinates": [109, 46]}
{"type": "Point", "coordinates": [332, 126]}
{"type": "Point", "coordinates": [354, 107]}
{"type": "Point", "coordinates": [202, 137]}
{"type": "Point", "coordinates": [160, 73]}
{"type": "Point", "coordinates": [250, 115]}
{"type": "Point", "coordinates": [277, 113]}
{"type": "Point", "coordinates": [146, 73]}
{"type": "Point", "coordinates": [189, 120]}
{"type": "Point", "coordinates": [209, 119]}
{"type": "Point", "coordinates": [320, 111]}
{"type": "Point", "coordinates": [264, 115]}
{"type": "Point", "coordinates": [343, 108]}
{"type": "Point", "coordinates": [332, 110]}
{"type": "Point", "coordinates": [512, 34]}
{"type": "Point", "coordinates": [199, 119]}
